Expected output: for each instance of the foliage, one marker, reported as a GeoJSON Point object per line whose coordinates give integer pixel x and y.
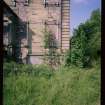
{"type": "Point", "coordinates": [35, 70]}
{"type": "Point", "coordinates": [50, 45]}
{"type": "Point", "coordinates": [49, 40]}
{"type": "Point", "coordinates": [67, 86]}
{"type": "Point", "coordinates": [8, 68]}
{"type": "Point", "coordinates": [86, 42]}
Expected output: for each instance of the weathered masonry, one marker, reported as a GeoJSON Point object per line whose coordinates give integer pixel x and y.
{"type": "Point", "coordinates": [37, 16]}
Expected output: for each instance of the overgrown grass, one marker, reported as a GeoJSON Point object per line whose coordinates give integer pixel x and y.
{"type": "Point", "coordinates": [41, 86]}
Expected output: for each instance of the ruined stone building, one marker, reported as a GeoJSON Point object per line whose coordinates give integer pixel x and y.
{"type": "Point", "coordinates": [27, 31]}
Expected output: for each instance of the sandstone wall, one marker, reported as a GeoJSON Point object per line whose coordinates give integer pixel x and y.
{"type": "Point", "coordinates": [36, 16]}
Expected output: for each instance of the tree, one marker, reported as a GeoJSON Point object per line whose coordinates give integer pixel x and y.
{"type": "Point", "coordinates": [86, 42]}
{"type": "Point", "coordinates": [50, 45]}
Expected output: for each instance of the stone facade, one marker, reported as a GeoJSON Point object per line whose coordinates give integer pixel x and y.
{"type": "Point", "coordinates": [35, 16]}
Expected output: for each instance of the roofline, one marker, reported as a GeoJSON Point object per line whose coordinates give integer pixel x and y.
{"type": "Point", "coordinates": [6, 6]}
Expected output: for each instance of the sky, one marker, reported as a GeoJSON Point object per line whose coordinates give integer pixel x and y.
{"type": "Point", "coordinates": [80, 11]}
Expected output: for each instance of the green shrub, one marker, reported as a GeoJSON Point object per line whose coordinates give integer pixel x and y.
{"type": "Point", "coordinates": [85, 44]}
{"type": "Point", "coordinates": [8, 68]}
{"type": "Point", "coordinates": [33, 70]}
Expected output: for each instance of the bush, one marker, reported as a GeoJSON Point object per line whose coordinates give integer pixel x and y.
{"type": "Point", "coordinates": [8, 68]}
{"type": "Point", "coordinates": [86, 42]}
{"type": "Point", "coordinates": [33, 70]}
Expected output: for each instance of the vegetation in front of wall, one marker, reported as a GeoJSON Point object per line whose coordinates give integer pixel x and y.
{"type": "Point", "coordinates": [38, 85]}
{"type": "Point", "coordinates": [13, 68]}
{"type": "Point", "coordinates": [50, 44]}
{"type": "Point", "coordinates": [86, 42]}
